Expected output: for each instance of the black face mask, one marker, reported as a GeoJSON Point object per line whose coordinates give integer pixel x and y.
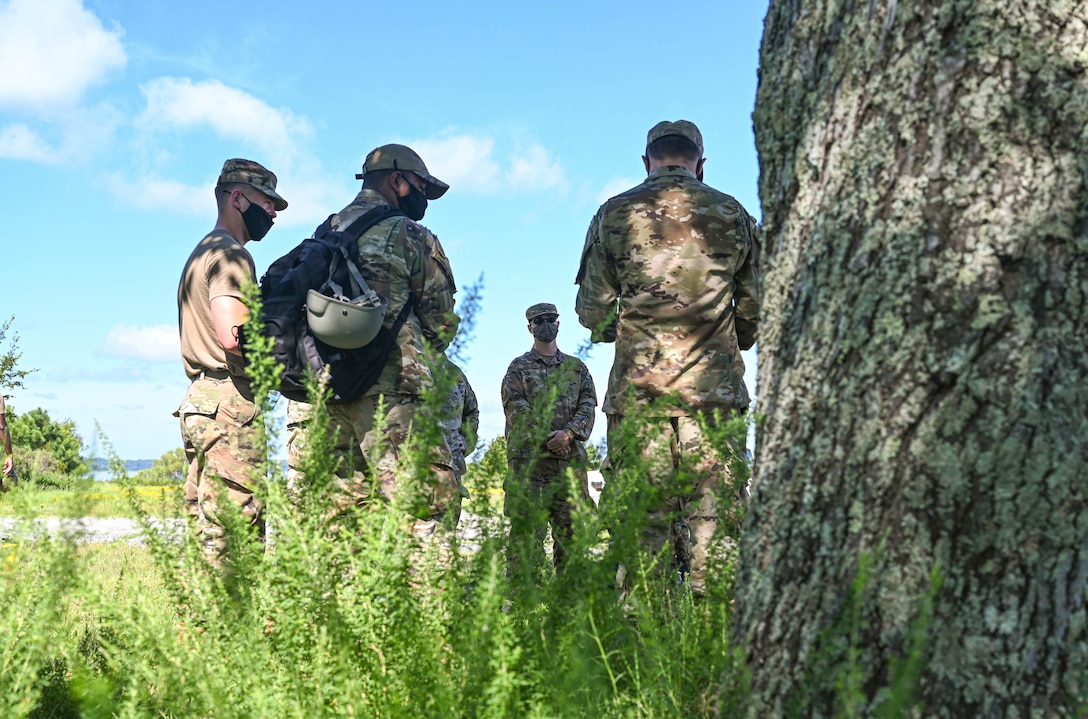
{"type": "Point", "coordinates": [414, 203]}
{"type": "Point", "coordinates": [257, 221]}
{"type": "Point", "coordinates": [546, 332]}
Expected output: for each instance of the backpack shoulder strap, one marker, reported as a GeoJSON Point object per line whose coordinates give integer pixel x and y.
{"type": "Point", "coordinates": [347, 246]}
{"type": "Point", "coordinates": [368, 219]}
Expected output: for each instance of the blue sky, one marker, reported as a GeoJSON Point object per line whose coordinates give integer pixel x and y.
{"type": "Point", "coordinates": [116, 117]}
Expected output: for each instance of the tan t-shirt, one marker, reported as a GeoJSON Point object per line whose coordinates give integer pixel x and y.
{"type": "Point", "coordinates": [217, 268]}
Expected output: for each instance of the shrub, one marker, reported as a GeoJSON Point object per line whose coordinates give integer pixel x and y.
{"type": "Point", "coordinates": [36, 430]}
{"type": "Point", "coordinates": [487, 467]}
{"type": "Point", "coordinates": [337, 620]}
{"type": "Point", "coordinates": [170, 468]}
{"type": "Point", "coordinates": [40, 468]}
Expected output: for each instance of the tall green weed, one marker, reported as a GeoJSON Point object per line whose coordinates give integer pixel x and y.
{"type": "Point", "coordinates": [340, 619]}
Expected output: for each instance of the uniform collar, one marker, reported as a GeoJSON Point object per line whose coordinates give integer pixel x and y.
{"type": "Point", "coordinates": [370, 196]}
{"type": "Point", "coordinates": [546, 360]}
{"type": "Point", "coordinates": [671, 171]}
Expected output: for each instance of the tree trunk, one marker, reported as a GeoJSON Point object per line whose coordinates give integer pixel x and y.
{"type": "Point", "coordinates": [919, 518]}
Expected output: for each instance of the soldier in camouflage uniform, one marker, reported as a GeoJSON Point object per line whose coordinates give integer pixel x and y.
{"type": "Point", "coordinates": [218, 415]}
{"type": "Point", "coordinates": [460, 421]}
{"type": "Point", "coordinates": [403, 262]}
{"type": "Point", "coordinates": [670, 273]}
{"type": "Point", "coordinates": [549, 401]}
{"type": "Point", "coordinates": [9, 458]}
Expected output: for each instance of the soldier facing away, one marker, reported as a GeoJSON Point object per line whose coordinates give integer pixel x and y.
{"type": "Point", "coordinates": [549, 401]}
{"type": "Point", "coordinates": [670, 273]}
{"type": "Point", "coordinates": [218, 416]}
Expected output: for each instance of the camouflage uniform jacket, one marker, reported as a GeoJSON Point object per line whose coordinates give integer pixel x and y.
{"type": "Point", "coordinates": [399, 259]}
{"type": "Point", "coordinates": [460, 419]}
{"type": "Point", "coordinates": [670, 273]}
{"type": "Point", "coordinates": [526, 386]}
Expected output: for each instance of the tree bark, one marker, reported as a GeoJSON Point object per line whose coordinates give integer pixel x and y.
{"type": "Point", "coordinates": [923, 371]}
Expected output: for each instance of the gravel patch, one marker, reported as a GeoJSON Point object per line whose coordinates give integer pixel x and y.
{"type": "Point", "coordinates": [88, 530]}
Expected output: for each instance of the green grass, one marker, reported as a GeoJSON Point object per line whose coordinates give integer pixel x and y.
{"type": "Point", "coordinates": [355, 619]}
{"type": "Point", "coordinates": [334, 623]}
{"type": "Point", "coordinates": [91, 499]}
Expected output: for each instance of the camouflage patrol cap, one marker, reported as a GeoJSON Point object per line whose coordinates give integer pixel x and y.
{"type": "Point", "coordinates": [255, 175]}
{"type": "Point", "coordinates": [683, 128]}
{"type": "Point", "coordinates": [540, 309]}
{"type": "Point", "coordinates": [400, 157]}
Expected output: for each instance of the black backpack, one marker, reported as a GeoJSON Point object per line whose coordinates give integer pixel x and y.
{"type": "Point", "coordinates": [327, 258]}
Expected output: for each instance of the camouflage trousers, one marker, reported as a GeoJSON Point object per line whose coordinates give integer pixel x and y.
{"type": "Point", "coordinates": [678, 536]}
{"type": "Point", "coordinates": [366, 438]}
{"type": "Point", "coordinates": [536, 495]}
{"type": "Point", "coordinates": [223, 447]}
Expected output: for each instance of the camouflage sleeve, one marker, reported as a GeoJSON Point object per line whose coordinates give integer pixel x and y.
{"type": "Point", "coordinates": [581, 424]}
{"type": "Point", "coordinates": [597, 289]}
{"type": "Point", "coordinates": [515, 400]}
{"type": "Point", "coordinates": [519, 413]}
{"type": "Point", "coordinates": [433, 287]}
{"type": "Point", "coordinates": [746, 293]}
{"type": "Point", "coordinates": [470, 418]}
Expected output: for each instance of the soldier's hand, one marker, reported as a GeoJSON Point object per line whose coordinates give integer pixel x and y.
{"type": "Point", "coordinates": [559, 442]}
{"type": "Point", "coordinates": [606, 330]}
{"type": "Point", "coordinates": [608, 334]}
{"type": "Point", "coordinates": [8, 473]}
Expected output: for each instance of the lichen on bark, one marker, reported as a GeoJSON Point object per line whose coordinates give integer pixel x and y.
{"type": "Point", "coordinates": [923, 363]}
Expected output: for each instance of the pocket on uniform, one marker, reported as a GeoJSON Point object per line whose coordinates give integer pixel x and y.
{"type": "Point", "coordinates": [197, 413]}
{"type": "Point", "coordinates": [439, 256]}
{"type": "Point", "coordinates": [238, 408]}
{"type": "Point", "coordinates": [199, 399]}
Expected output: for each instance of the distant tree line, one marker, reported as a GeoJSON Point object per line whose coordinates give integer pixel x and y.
{"type": "Point", "coordinates": [47, 452]}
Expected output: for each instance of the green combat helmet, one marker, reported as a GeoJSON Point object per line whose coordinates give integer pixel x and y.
{"type": "Point", "coordinates": [344, 323]}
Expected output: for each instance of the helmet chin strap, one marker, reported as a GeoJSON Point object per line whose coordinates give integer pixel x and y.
{"type": "Point", "coordinates": [361, 293]}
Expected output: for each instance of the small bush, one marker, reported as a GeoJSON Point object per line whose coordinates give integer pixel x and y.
{"type": "Point", "coordinates": [170, 468]}
{"type": "Point", "coordinates": [40, 468]}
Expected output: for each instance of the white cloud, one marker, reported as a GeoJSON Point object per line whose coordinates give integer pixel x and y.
{"type": "Point", "coordinates": [308, 198]}
{"type": "Point", "coordinates": [232, 113]}
{"type": "Point", "coordinates": [534, 169]}
{"type": "Point", "coordinates": [312, 197]}
{"type": "Point", "coordinates": [19, 142]}
{"type": "Point", "coordinates": [151, 192]}
{"type": "Point", "coordinates": [462, 161]}
{"type": "Point", "coordinates": [616, 186]}
{"type": "Point", "coordinates": [126, 374]}
{"type": "Point", "coordinates": [51, 51]}
{"type": "Point", "coordinates": [158, 343]}
{"type": "Point", "coordinates": [467, 162]}
{"type": "Point", "coordinates": [272, 134]}
{"type": "Point", "coordinates": [470, 163]}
